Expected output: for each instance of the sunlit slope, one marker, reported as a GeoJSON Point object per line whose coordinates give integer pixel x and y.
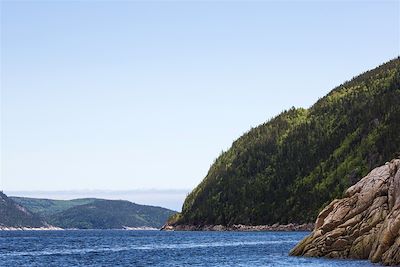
{"type": "Point", "coordinates": [286, 169]}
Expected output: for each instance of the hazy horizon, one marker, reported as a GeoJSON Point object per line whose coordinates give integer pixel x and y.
{"type": "Point", "coordinates": [171, 199]}
{"type": "Point", "coordinates": [126, 95]}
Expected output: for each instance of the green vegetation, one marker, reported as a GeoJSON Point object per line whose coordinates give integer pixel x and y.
{"type": "Point", "coordinates": [14, 215]}
{"type": "Point", "coordinates": [48, 207]}
{"type": "Point", "coordinates": [287, 169]}
{"type": "Point", "coordinates": [91, 213]}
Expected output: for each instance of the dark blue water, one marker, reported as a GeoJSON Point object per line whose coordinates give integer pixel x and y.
{"type": "Point", "coordinates": [155, 248]}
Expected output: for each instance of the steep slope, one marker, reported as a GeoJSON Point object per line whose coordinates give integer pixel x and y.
{"type": "Point", "coordinates": [287, 169]}
{"type": "Point", "coordinates": [365, 224]}
{"type": "Point", "coordinates": [16, 216]}
{"type": "Point", "coordinates": [91, 213]}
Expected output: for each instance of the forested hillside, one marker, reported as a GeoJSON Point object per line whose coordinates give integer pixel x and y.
{"type": "Point", "coordinates": [111, 214]}
{"type": "Point", "coordinates": [92, 213]}
{"type": "Point", "coordinates": [15, 216]}
{"type": "Point", "coordinates": [287, 169]}
{"type": "Point", "coordinates": [47, 207]}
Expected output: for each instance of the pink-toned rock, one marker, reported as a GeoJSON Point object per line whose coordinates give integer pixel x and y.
{"type": "Point", "coordinates": [363, 224]}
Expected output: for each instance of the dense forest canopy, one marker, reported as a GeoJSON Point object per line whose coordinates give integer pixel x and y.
{"type": "Point", "coordinates": [288, 168]}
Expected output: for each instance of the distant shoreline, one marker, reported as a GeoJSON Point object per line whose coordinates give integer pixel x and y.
{"type": "Point", "coordinates": [241, 227]}
{"type": "Point", "coordinates": [215, 228]}
{"type": "Point", "coordinates": [22, 228]}
{"type": "Point", "coordinates": [53, 228]}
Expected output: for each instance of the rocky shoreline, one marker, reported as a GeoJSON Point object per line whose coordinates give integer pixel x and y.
{"type": "Point", "coordinates": [141, 228]}
{"type": "Point", "coordinates": [53, 228]}
{"type": "Point", "coordinates": [241, 227]}
{"type": "Point", "coordinates": [364, 224]}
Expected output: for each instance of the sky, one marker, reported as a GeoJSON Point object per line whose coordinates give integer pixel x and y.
{"type": "Point", "coordinates": [127, 95]}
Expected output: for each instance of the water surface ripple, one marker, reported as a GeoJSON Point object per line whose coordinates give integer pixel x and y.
{"type": "Point", "coordinates": [155, 248]}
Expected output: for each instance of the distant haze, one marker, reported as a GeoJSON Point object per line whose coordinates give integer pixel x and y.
{"type": "Point", "coordinates": [171, 199]}
{"type": "Point", "coordinates": [121, 95]}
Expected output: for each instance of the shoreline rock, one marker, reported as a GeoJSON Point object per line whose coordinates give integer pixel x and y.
{"type": "Point", "coordinates": [365, 224]}
{"type": "Point", "coordinates": [23, 228]}
{"type": "Point", "coordinates": [241, 227]}
{"type": "Point", "coordinates": [140, 228]}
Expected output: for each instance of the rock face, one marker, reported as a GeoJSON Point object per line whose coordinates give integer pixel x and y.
{"type": "Point", "coordinates": [365, 224]}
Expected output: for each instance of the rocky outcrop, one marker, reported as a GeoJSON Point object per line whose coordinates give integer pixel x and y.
{"type": "Point", "coordinates": [240, 227]}
{"type": "Point", "coordinates": [365, 224]}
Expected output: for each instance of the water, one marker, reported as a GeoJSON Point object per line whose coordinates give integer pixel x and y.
{"type": "Point", "coordinates": [155, 248]}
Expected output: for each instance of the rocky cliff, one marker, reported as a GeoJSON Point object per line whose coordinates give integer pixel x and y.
{"type": "Point", "coordinates": [365, 224]}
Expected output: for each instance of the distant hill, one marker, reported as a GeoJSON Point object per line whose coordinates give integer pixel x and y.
{"type": "Point", "coordinates": [288, 168]}
{"type": "Point", "coordinates": [47, 207]}
{"type": "Point", "coordinates": [14, 215]}
{"type": "Point", "coordinates": [91, 213]}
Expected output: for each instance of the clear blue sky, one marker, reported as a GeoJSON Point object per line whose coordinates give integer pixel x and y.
{"type": "Point", "coordinates": [125, 95]}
